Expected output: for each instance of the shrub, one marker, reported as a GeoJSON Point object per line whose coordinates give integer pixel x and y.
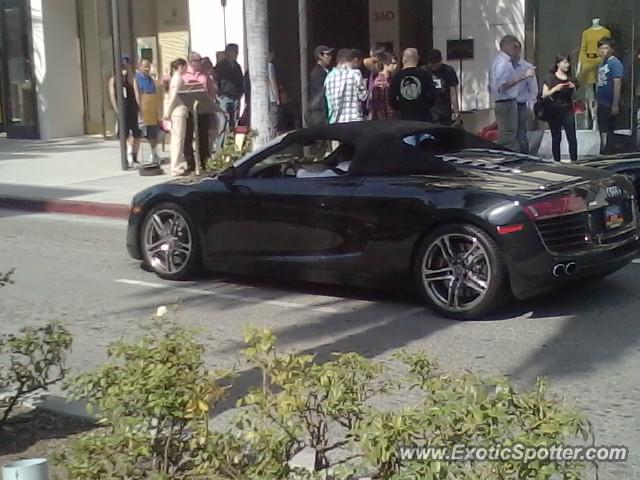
{"type": "Point", "coordinates": [154, 397]}
{"type": "Point", "coordinates": [155, 401]}
{"type": "Point", "coordinates": [225, 157]}
{"type": "Point", "coordinates": [37, 359]}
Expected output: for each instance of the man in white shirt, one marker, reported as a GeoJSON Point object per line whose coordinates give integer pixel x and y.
{"type": "Point", "coordinates": [526, 99]}
{"type": "Point", "coordinates": [503, 81]}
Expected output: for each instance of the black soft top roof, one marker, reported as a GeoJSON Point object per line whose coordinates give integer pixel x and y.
{"type": "Point", "coordinates": [380, 149]}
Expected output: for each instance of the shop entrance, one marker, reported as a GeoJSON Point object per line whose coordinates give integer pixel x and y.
{"type": "Point", "coordinates": [18, 96]}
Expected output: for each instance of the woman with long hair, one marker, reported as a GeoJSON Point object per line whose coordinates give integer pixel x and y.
{"type": "Point", "coordinates": [177, 113]}
{"type": "Point", "coordinates": [559, 89]}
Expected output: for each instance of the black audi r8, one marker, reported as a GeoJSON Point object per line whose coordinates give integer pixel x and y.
{"type": "Point", "coordinates": [468, 222]}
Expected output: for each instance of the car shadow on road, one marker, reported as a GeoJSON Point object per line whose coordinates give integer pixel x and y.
{"type": "Point", "coordinates": [365, 330]}
{"type": "Point", "coordinates": [599, 325]}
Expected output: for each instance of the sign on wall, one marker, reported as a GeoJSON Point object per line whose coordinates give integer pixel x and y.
{"type": "Point", "coordinates": [173, 15]}
{"type": "Point", "coordinates": [384, 22]}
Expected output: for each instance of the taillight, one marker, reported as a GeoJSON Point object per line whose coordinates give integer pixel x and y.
{"type": "Point", "coordinates": [555, 206]}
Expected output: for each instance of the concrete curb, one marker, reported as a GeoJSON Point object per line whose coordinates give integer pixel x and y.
{"type": "Point", "coordinates": [75, 207]}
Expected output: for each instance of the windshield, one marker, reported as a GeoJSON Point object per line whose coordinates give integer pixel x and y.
{"type": "Point", "coordinates": [259, 150]}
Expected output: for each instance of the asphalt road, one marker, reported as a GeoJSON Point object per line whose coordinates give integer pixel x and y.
{"type": "Point", "coordinates": [585, 340]}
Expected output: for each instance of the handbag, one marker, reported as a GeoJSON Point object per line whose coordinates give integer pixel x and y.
{"type": "Point", "coordinates": [541, 109]}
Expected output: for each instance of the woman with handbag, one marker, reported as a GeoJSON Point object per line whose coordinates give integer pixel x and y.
{"type": "Point", "coordinates": [558, 91]}
{"type": "Point", "coordinates": [176, 112]}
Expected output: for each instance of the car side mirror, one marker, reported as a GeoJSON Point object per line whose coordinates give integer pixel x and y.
{"type": "Point", "coordinates": [228, 175]}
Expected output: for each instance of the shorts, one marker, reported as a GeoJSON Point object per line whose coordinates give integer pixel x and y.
{"type": "Point", "coordinates": [151, 132]}
{"type": "Point", "coordinates": [606, 120]}
{"type": "Point", "coordinates": [131, 127]}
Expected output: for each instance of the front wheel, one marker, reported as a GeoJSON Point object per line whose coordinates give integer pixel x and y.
{"type": "Point", "coordinates": [460, 272]}
{"type": "Point", "coordinates": [169, 243]}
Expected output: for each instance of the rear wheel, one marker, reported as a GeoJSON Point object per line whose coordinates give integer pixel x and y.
{"type": "Point", "coordinates": [460, 272]}
{"type": "Point", "coordinates": [169, 243]}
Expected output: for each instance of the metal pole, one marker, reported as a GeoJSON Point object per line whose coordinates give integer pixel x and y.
{"type": "Point", "coordinates": [117, 62]}
{"type": "Point", "coordinates": [304, 59]}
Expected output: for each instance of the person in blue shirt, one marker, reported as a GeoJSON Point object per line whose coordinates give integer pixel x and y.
{"type": "Point", "coordinates": [608, 89]}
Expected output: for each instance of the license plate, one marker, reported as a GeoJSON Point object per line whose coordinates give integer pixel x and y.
{"type": "Point", "coordinates": [613, 216]}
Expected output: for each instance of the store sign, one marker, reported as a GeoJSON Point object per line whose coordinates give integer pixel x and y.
{"type": "Point", "coordinates": [384, 16]}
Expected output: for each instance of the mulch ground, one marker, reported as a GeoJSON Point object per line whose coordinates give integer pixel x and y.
{"type": "Point", "coordinates": [33, 433]}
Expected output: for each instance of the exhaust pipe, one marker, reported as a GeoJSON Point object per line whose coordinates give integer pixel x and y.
{"type": "Point", "coordinates": [560, 270]}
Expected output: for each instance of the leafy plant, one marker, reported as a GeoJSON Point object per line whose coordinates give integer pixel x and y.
{"type": "Point", "coordinates": [304, 404]}
{"type": "Point", "coordinates": [155, 400]}
{"type": "Point", "coordinates": [229, 153]}
{"type": "Point", "coordinates": [472, 411]}
{"type": "Point", "coordinates": [154, 395]}
{"type": "Point", "coordinates": [36, 360]}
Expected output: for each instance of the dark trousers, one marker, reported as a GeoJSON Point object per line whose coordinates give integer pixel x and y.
{"type": "Point", "coordinates": [203, 141]}
{"type": "Point", "coordinates": [558, 120]}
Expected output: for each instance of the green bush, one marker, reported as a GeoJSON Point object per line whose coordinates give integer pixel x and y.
{"type": "Point", "coordinates": [154, 396]}
{"type": "Point", "coordinates": [225, 157]}
{"type": "Point", "coordinates": [155, 401]}
{"type": "Point", "coordinates": [36, 360]}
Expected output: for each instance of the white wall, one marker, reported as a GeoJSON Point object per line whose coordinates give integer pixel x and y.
{"type": "Point", "coordinates": [486, 21]}
{"type": "Point", "coordinates": [206, 19]}
{"type": "Point", "coordinates": [57, 68]}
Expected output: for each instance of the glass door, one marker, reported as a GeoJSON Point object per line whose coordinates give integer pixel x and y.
{"type": "Point", "coordinates": [20, 100]}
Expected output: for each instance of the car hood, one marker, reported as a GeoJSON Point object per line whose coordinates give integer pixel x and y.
{"type": "Point", "coordinates": [520, 176]}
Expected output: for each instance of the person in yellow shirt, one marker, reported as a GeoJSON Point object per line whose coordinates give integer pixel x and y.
{"type": "Point", "coordinates": [149, 103]}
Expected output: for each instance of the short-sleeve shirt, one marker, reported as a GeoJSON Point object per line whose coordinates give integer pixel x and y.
{"type": "Point", "coordinates": [444, 79]}
{"type": "Point", "coordinates": [412, 94]}
{"type": "Point", "coordinates": [610, 69]}
{"type": "Point", "coordinates": [564, 98]}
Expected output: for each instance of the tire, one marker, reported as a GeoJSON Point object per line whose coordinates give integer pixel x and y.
{"type": "Point", "coordinates": [169, 243]}
{"type": "Point", "coordinates": [467, 281]}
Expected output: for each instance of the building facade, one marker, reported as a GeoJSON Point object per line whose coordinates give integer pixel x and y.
{"type": "Point", "coordinates": [57, 55]}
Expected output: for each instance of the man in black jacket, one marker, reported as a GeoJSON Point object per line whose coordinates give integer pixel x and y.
{"type": "Point", "coordinates": [317, 111]}
{"type": "Point", "coordinates": [230, 82]}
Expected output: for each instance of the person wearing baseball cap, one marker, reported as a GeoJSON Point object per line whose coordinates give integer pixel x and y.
{"type": "Point", "coordinates": [317, 111]}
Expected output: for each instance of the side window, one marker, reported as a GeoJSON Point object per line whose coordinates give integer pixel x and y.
{"type": "Point", "coordinates": [312, 159]}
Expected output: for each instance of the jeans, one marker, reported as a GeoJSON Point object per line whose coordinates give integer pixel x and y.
{"type": "Point", "coordinates": [227, 118]}
{"type": "Point", "coordinates": [507, 120]}
{"type": "Point", "coordinates": [558, 120]}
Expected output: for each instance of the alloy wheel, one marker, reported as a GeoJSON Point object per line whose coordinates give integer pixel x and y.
{"type": "Point", "coordinates": [456, 272]}
{"type": "Point", "coordinates": [167, 241]}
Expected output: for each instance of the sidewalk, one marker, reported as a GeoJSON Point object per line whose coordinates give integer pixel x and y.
{"type": "Point", "coordinates": [79, 175]}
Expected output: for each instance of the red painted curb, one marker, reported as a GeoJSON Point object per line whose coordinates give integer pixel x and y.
{"type": "Point", "coordinates": [75, 207]}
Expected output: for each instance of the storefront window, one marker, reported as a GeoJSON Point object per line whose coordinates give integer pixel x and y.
{"type": "Point", "coordinates": [18, 84]}
{"type": "Point", "coordinates": [572, 26]}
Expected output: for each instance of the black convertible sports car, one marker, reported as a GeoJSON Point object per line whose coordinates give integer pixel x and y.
{"type": "Point", "coordinates": [468, 222]}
